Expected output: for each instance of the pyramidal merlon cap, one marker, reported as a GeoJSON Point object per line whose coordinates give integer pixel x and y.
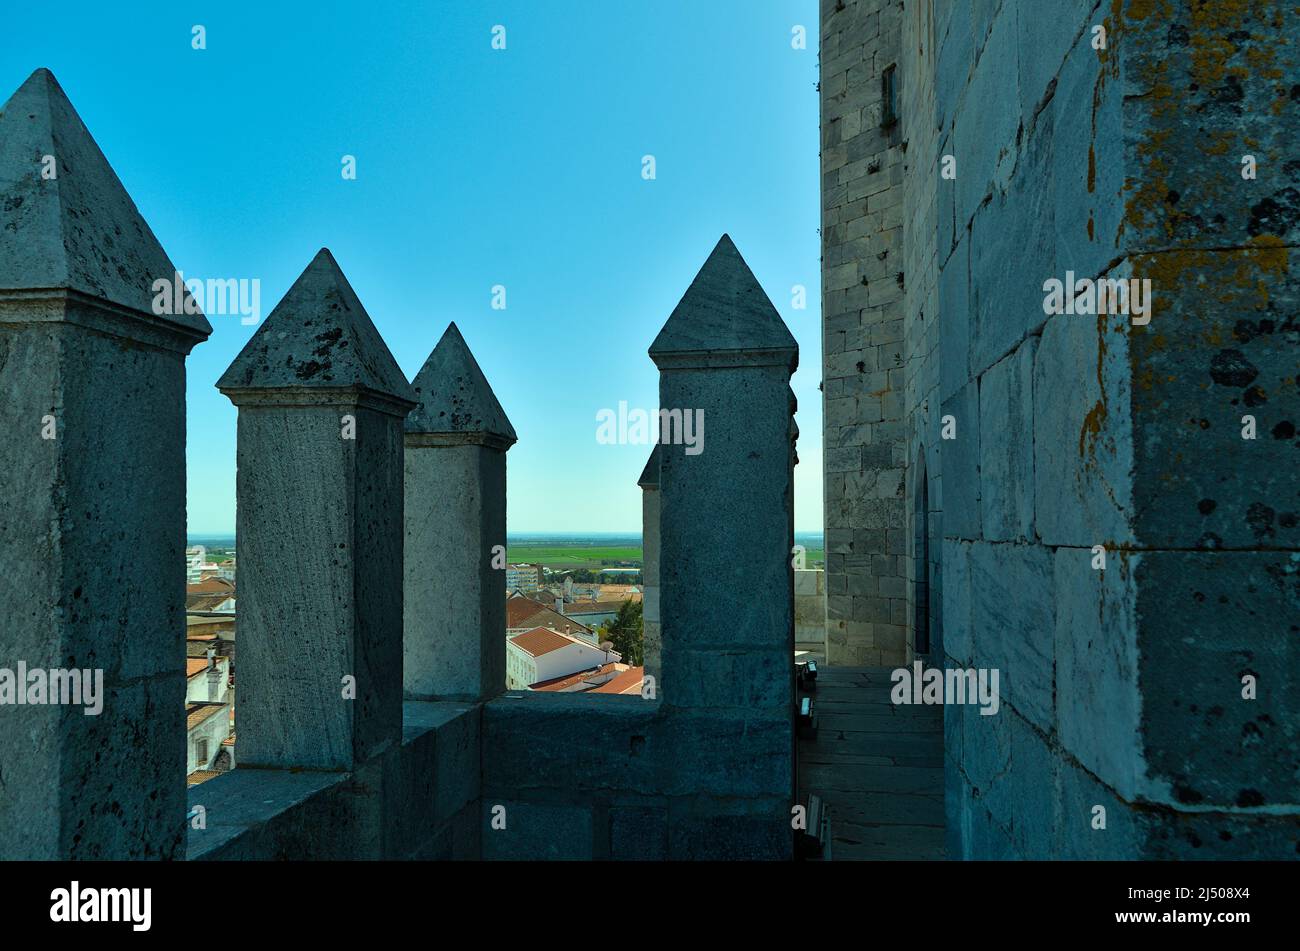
{"type": "Point", "coordinates": [724, 309]}
{"type": "Point", "coordinates": [68, 222]}
{"type": "Point", "coordinates": [650, 474]}
{"type": "Point", "coordinates": [454, 395]}
{"type": "Point", "coordinates": [318, 336]}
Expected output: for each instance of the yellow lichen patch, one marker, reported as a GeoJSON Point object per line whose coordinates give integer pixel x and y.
{"type": "Point", "coordinates": [1260, 58]}
{"type": "Point", "coordinates": [1271, 253]}
{"type": "Point", "coordinates": [1137, 9]}
{"type": "Point", "coordinates": [1211, 50]}
{"type": "Point", "coordinates": [1146, 202]}
{"type": "Point", "coordinates": [1091, 429]}
{"type": "Point", "coordinates": [1096, 418]}
{"type": "Point", "coordinates": [1220, 143]}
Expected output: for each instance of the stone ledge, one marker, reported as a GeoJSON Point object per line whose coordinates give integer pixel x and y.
{"type": "Point", "coordinates": [406, 803]}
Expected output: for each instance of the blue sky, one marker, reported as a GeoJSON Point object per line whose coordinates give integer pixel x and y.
{"type": "Point", "coordinates": [475, 167]}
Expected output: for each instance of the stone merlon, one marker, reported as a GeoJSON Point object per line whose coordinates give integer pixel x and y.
{"type": "Point", "coordinates": [725, 309]}
{"type": "Point", "coordinates": [650, 474]}
{"type": "Point", "coordinates": [318, 337]}
{"type": "Point", "coordinates": [455, 398]}
{"type": "Point", "coordinates": [69, 222]}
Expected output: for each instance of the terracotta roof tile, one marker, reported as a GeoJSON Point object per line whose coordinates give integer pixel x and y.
{"type": "Point", "coordinates": [211, 586]}
{"type": "Point", "coordinates": [628, 682]}
{"type": "Point", "coordinates": [196, 713]}
{"type": "Point", "coordinates": [558, 684]}
{"type": "Point", "coordinates": [540, 641]}
{"type": "Point", "coordinates": [527, 613]}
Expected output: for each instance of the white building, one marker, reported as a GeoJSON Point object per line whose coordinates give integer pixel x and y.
{"type": "Point", "coordinates": [207, 709]}
{"type": "Point", "coordinates": [207, 726]}
{"type": "Point", "coordinates": [195, 558]}
{"type": "Point", "coordinates": [542, 654]}
{"type": "Point", "coordinates": [525, 578]}
{"type": "Point", "coordinates": [207, 679]}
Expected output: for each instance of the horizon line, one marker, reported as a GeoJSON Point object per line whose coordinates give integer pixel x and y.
{"type": "Point", "coordinates": [567, 531]}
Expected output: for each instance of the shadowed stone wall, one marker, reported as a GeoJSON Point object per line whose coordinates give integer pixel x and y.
{"type": "Point", "coordinates": [862, 337]}
{"type": "Point", "coordinates": [1122, 687]}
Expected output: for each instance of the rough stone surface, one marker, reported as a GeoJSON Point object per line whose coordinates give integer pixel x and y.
{"type": "Point", "coordinates": [455, 506]}
{"type": "Point", "coordinates": [79, 230]}
{"type": "Point", "coordinates": [725, 308]}
{"type": "Point", "coordinates": [1006, 447]}
{"type": "Point", "coordinates": [960, 463]}
{"type": "Point", "coordinates": [320, 488]}
{"type": "Point", "coordinates": [93, 533]}
{"type": "Point", "coordinates": [1121, 686]}
{"type": "Point", "coordinates": [862, 331]}
{"type": "Point", "coordinates": [318, 337]}
{"type": "Point", "coordinates": [454, 396]}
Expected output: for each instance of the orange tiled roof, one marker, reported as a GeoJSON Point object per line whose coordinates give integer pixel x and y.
{"type": "Point", "coordinates": [525, 612]}
{"type": "Point", "coordinates": [197, 713]}
{"type": "Point", "coordinates": [556, 684]}
{"type": "Point", "coordinates": [195, 666]}
{"type": "Point", "coordinates": [540, 641]}
{"type": "Point", "coordinates": [200, 776]}
{"type": "Point", "coordinates": [629, 681]}
{"type": "Point", "coordinates": [207, 602]}
{"type": "Point", "coordinates": [519, 610]}
{"type": "Point", "coordinates": [211, 586]}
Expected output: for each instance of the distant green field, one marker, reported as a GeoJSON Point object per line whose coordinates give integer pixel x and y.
{"type": "Point", "coordinates": [581, 556]}
{"type": "Point", "coordinates": [569, 556]}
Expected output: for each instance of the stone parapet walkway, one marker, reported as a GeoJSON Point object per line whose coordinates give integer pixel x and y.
{"type": "Point", "coordinates": [879, 766]}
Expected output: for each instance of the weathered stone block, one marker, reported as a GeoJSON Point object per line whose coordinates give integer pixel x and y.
{"type": "Point", "coordinates": [1097, 699]}
{"type": "Point", "coordinates": [1088, 833]}
{"type": "Point", "coordinates": [954, 319]}
{"type": "Point", "coordinates": [1199, 369]}
{"type": "Point", "coordinates": [987, 115]}
{"type": "Point", "coordinates": [1091, 151]}
{"type": "Point", "coordinates": [960, 458]}
{"type": "Point", "coordinates": [1013, 619]}
{"type": "Point", "coordinates": [1035, 819]}
{"type": "Point", "coordinates": [1016, 225]}
{"type": "Point", "coordinates": [541, 742]}
{"type": "Point", "coordinates": [535, 832]}
{"type": "Point", "coordinates": [1007, 447]}
{"type": "Point", "coordinates": [1083, 446]}
{"type": "Point", "coordinates": [732, 838]}
{"type": "Point", "coordinates": [638, 833]}
{"type": "Point", "coordinates": [1205, 622]}
{"type": "Point", "coordinates": [1186, 188]}
{"type": "Point", "coordinates": [958, 640]}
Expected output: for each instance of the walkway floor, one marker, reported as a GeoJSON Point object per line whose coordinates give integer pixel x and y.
{"type": "Point", "coordinates": [878, 765]}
